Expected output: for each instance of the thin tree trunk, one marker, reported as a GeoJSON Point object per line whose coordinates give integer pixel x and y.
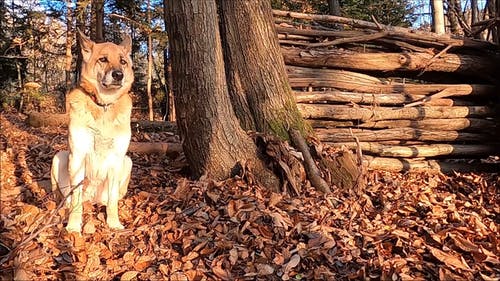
{"type": "Point", "coordinates": [69, 45]}
{"type": "Point", "coordinates": [98, 9]}
{"type": "Point", "coordinates": [438, 16]}
{"type": "Point", "coordinates": [213, 141]}
{"type": "Point", "coordinates": [150, 65]}
{"type": "Point", "coordinates": [167, 69]}
{"type": "Point", "coordinates": [453, 16]}
{"type": "Point", "coordinates": [81, 15]}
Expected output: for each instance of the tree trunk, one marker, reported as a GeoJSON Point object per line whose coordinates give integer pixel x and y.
{"type": "Point", "coordinates": [98, 10]}
{"type": "Point", "coordinates": [213, 141]}
{"type": "Point", "coordinates": [453, 16]}
{"type": "Point", "coordinates": [437, 16]}
{"type": "Point", "coordinates": [150, 64]}
{"type": "Point", "coordinates": [259, 86]}
{"type": "Point", "coordinates": [69, 45]}
{"type": "Point", "coordinates": [167, 69]}
{"type": "Point", "coordinates": [81, 15]}
{"type": "Point", "coordinates": [334, 7]}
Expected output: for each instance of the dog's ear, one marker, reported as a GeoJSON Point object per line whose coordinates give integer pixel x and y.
{"type": "Point", "coordinates": [85, 45]}
{"type": "Point", "coordinates": [127, 43]}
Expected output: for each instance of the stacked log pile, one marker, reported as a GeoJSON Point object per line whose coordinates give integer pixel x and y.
{"type": "Point", "coordinates": [408, 99]}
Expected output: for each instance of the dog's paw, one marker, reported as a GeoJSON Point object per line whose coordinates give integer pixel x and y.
{"type": "Point", "coordinates": [114, 224]}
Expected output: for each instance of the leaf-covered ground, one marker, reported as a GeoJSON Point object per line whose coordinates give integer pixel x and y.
{"type": "Point", "coordinates": [401, 227]}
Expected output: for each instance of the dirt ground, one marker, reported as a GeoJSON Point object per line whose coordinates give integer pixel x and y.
{"type": "Point", "coordinates": [413, 226]}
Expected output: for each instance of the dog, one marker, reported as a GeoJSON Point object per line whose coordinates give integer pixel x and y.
{"type": "Point", "coordinates": [96, 167]}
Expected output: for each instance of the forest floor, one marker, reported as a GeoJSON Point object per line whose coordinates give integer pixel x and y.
{"type": "Point", "coordinates": [413, 226]}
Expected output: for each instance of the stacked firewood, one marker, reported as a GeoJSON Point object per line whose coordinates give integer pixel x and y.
{"type": "Point", "coordinates": [407, 99]}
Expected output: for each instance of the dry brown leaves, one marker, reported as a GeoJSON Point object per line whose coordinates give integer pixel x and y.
{"type": "Point", "coordinates": [401, 227]}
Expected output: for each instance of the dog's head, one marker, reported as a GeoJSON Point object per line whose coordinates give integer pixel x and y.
{"type": "Point", "coordinates": [106, 68]}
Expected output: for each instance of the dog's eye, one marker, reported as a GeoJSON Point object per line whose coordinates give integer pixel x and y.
{"type": "Point", "coordinates": [123, 62]}
{"type": "Point", "coordinates": [103, 59]}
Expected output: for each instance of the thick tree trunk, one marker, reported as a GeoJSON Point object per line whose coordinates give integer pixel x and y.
{"type": "Point", "coordinates": [213, 141]}
{"type": "Point", "coordinates": [258, 82]}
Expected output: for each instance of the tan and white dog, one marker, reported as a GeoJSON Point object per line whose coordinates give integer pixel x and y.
{"type": "Point", "coordinates": [96, 168]}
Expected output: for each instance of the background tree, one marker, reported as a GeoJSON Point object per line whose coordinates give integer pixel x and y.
{"type": "Point", "coordinates": [334, 7]}
{"type": "Point", "coordinates": [437, 16]}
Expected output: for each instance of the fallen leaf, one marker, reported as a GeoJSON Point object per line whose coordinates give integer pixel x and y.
{"type": "Point", "coordinates": [129, 275]}
{"type": "Point", "coordinates": [448, 259]}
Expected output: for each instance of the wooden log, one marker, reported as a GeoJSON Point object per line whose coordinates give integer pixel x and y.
{"type": "Point", "coordinates": [344, 112]}
{"type": "Point", "coordinates": [336, 96]}
{"type": "Point", "coordinates": [408, 134]}
{"type": "Point", "coordinates": [290, 32]}
{"type": "Point", "coordinates": [346, 59]}
{"type": "Point", "coordinates": [154, 126]}
{"type": "Point", "coordinates": [455, 124]}
{"type": "Point", "coordinates": [430, 150]}
{"type": "Point", "coordinates": [169, 149]}
{"type": "Point", "coordinates": [302, 77]}
{"type": "Point", "coordinates": [40, 119]}
{"type": "Point", "coordinates": [413, 165]}
{"type": "Point", "coordinates": [416, 36]}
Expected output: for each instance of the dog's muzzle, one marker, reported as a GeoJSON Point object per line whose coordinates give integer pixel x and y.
{"type": "Point", "coordinates": [113, 79]}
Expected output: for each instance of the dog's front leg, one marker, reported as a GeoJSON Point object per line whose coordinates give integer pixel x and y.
{"type": "Point", "coordinates": [77, 175]}
{"type": "Point", "coordinates": [117, 177]}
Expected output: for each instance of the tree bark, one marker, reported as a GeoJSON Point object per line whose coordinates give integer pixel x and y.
{"type": "Point", "coordinates": [212, 140]}
{"type": "Point", "coordinates": [259, 86]}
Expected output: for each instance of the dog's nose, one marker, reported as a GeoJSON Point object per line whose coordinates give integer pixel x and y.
{"type": "Point", "coordinates": [117, 75]}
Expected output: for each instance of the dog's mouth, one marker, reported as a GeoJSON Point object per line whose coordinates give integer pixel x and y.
{"type": "Point", "coordinates": [112, 86]}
